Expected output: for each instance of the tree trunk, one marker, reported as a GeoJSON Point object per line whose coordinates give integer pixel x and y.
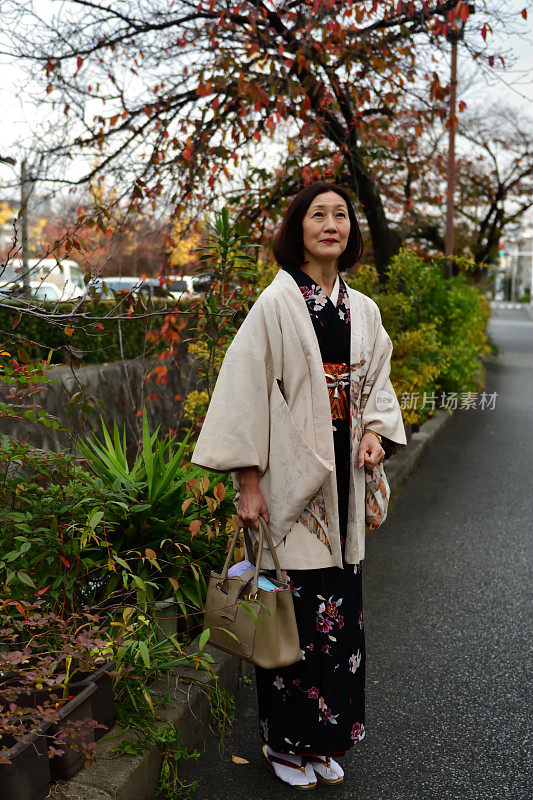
{"type": "Point", "coordinates": [385, 241]}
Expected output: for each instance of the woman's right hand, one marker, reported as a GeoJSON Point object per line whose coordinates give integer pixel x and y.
{"type": "Point", "coordinates": [251, 503]}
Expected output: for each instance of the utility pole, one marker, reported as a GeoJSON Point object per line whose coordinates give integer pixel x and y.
{"type": "Point", "coordinates": [453, 37]}
{"type": "Point", "coordinates": [448, 242]}
{"type": "Point", "coordinates": [25, 193]}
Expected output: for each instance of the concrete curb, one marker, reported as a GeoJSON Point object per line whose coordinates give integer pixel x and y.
{"type": "Point", "coordinates": [135, 777]}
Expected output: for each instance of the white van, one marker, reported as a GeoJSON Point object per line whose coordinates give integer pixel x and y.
{"type": "Point", "coordinates": [67, 275]}
{"type": "Point", "coordinates": [183, 286]}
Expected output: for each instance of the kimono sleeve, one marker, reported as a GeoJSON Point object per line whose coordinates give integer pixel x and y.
{"type": "Point", "coordinates": [381, 410]}
{"type": "Point", "coordinates": [236, 430]}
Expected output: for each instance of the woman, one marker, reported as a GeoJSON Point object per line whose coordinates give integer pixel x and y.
{"type": "Point", "coordinates": [303, 414]}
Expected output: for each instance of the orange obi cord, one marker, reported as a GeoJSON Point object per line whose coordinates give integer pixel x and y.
{"type": "Point", "coordinates": [338, 383]}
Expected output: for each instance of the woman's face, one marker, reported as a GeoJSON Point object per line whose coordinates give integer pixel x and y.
{"type": "Point", "coordinates": [326, 227]}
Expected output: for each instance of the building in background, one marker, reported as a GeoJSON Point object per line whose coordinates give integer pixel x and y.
{"type": "Point", "coordinates": [514, 275]}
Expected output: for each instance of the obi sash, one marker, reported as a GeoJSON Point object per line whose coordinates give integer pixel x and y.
{"type": "Point", "coordinates": [338, 382]}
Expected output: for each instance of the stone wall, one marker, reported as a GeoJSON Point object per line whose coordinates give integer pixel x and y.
{"type": "Point", "coordinates": [116, 391]}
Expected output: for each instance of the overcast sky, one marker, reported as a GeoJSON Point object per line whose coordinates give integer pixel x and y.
{"type": "Point", "coordinates": [515, 87]}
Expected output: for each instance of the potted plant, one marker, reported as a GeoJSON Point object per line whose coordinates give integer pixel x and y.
{"type": "Point", "coordinates": [46, 677]}
{"type": "Point", "coordinates": [102, 701]}
{"type": "Point", "coordinates": [24, 765]}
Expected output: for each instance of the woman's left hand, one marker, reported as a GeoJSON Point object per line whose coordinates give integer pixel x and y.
{"type": "Point", "coordinates": [371, 452]}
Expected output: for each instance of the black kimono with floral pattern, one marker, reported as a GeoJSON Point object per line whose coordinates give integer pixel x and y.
{"type": "Point", "coordinates": [317, 706]}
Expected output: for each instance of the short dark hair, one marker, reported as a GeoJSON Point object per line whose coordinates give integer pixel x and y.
{"type": "Point", "coordinates": [288, 244]}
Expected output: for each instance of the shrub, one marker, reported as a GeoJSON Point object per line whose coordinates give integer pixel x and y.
{"type": "Point", "coordinates": [170, 522]}
{"type": "Point", "coordinates": [113, 534]}
{"type": "Point", "coordinates": [47, 506]}
{"type": "Point", "coordinates": [437, 326]}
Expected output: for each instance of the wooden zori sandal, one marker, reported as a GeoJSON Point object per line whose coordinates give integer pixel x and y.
{"type": "Point", "coordinates": [326, 763]}
{"type": "Point", "coordinates": [269, 758]}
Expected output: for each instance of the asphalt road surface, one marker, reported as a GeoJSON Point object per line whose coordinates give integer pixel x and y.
{"type": "Point", "coordinates": [445, 585]}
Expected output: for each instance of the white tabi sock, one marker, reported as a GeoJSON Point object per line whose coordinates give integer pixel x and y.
{"type": "Point", "coordinates": [288, 774]}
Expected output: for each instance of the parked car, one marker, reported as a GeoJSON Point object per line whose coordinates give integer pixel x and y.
{"type": "Point", "coordinates": [66, 275]}
{"type": "Point", "coordinates": [185, 286]}
{"type": "Point", "coordinates": [129, 284]}
{"type": "Point", "coordinates": [177, 287]}
{"type": "Point", "coordinates": [37, 291]}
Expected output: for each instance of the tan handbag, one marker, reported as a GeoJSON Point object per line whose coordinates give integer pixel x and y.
{"type": "Point", "coordinates": [269, 636]}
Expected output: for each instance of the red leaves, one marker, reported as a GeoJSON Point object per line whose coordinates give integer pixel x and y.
{"type": "Point", "coordinates": [462, 106]}
{"type": "Point", "coordinates": [219, 491]}
{"type": "Point", "coordinates": [451, 122]}
{"type": "Point", "coordinates": [161, 374]}
{"type": "Point", "coordinates": [187, 152]}
{"type": "Point", "coordinates": [79, 62]}
{"type": "Point", "coordinates": [524, 13]}
{"type": "Point", "coordinates": [204, 89]}
{"type": "Point", "coordinates": [464, 13]}
{"type": "Point", "coordinates": [486, 27]}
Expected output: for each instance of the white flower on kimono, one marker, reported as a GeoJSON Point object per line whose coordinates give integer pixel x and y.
{"type": "Point", "coordinates": [341, 313]}
{"type": "Point", "coordinates": [303, 655]}
{"type": "Point", "coordinates": [278, 683]}
{"type": "Point", "coordinates": [325, 714]}
{"type": "Point", "coordinates": [263, 724]}
{"type": "Point", "coordinates": [320, 298]}
{"type": "Point", "coordinates": [295, 744]}
{"type": "Point", "coordinates": [354, 661]}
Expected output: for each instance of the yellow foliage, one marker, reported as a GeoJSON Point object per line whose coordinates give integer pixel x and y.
{"type": "Point", "coordinates": [179, 255]}
{"type": "Point", "coordinates": [416, 365]}
{"type": "Point", "coordinates": [37, 228]}
{"type": "Point", "coordinates": [200, 351]}
{"type": "Point", "coordinates": [6, 213]}
{"type": "Point", "coordinates": [195, 405]}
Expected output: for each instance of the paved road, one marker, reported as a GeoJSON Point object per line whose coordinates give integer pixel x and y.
{"type": "Point", "coordinates": [446, 617]}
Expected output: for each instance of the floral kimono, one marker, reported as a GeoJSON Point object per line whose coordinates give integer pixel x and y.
{"type": "Point", "coordinates": [303, 378]}
{"type": "Point", "coordinates": [317, 706]}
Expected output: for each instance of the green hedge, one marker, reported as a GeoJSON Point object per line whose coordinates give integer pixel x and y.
{"type": "Point", "coordinates": [95, 344]}
{"type": "Point", "coordinates": [438, 328]}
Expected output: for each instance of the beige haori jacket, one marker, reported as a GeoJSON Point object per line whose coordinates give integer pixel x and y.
{"type": "Point", "coordinates": [287, 432]}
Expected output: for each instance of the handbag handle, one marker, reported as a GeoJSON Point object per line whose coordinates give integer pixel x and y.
{"type": "Point", "coordinates": [263, 529]}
